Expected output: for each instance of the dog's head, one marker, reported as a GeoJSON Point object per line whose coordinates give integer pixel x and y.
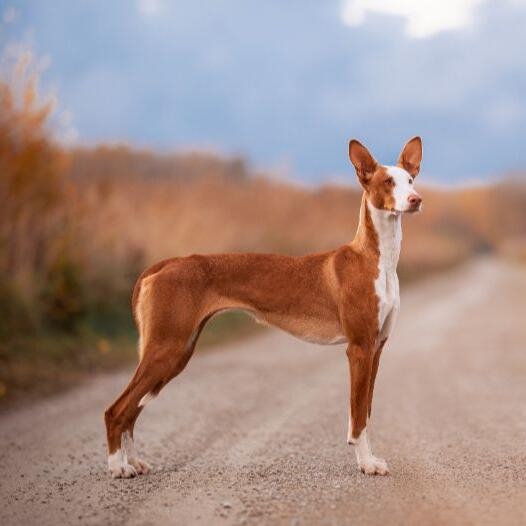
{"type": "Point", "coordinates": [389, 188]}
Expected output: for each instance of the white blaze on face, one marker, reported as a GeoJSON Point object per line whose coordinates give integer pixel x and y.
{"type": "Point", "coordinates": [403, 188]}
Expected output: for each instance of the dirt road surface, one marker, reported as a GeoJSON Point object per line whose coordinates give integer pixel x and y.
{"type": "Point", "coordinates": [255, 433]}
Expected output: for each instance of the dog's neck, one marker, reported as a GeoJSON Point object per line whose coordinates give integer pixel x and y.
{"type": "Point", "coordinates": [380, 234]}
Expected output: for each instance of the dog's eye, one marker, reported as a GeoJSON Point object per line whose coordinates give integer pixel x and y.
{"type": "Point", "coordinates": [410, 181]}
{"type": "Point", "coordinates": [389, 181]}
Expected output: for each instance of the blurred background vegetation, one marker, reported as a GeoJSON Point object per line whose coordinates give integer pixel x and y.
{"type": "Point", "coordinates": [78, 225]}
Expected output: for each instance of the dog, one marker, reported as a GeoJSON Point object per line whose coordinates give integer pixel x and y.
{"type": "Point", "coordinates": [348, 295]}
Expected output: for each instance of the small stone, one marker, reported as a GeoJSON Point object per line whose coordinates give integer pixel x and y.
{"type": "Point", "coordinates": [227, 505]}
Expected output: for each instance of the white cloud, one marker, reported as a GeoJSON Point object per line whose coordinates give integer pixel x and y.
{"type": "Point", "coordinates": [424, 18]}
{"type": "Point", "coordinates": [149, 7]}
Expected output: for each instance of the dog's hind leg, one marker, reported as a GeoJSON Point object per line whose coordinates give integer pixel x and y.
{"type": "Point", "coordinates": [169, 320]}
{"type": "Point", "coordinates": [161, 361]}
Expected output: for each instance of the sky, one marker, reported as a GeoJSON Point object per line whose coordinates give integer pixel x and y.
{"type": "Point", "coordinates": [287, 84]}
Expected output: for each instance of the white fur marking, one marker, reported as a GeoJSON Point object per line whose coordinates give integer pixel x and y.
{"type": "Point", "coordinates": [367, 462]}
{"type": "Point", "coordinates": [145, 399]}
{"type": "Point", "coordinates": [124, 463]}
{"type": "Point", "coordinates": [117, 459]}
{"type": "Point", "coordinates": [349, 431]}
{"type": "Point", "coordinates": [140, 466]}
{"type": "Point", "coordinates": [118, 465]}
{"type": "Point", "coordinates": [127, 445]}
{"type": "Point", "coordinates": [388, 226]}
{"type": "Point", "coordinates": [403, 188]}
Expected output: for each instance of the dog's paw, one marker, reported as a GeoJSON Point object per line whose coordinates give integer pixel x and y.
{"type": "Point", "coordinates": [374, 466]}
{"type": "Point", "coordinates": [141, 467]}
{"type": "Point", "coordinates": [122, 471]}
{"type": "Point", "coordinates": [120, 467]}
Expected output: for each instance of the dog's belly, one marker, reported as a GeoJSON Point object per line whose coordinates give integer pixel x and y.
{"type": "Point", "coordinates": [320, 331]}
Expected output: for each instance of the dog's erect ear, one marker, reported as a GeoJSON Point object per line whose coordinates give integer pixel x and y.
{"type": "Point", "coordinates": [363, 161]}
{"type": "Point", "coordinates": [411, 156]}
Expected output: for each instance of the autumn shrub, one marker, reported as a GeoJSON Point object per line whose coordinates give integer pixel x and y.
{"type": "Point", "coordinates": [41, 271]}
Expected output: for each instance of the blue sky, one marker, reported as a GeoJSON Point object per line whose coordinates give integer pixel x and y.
{"type": "Point", "coordinates": [288, 83]}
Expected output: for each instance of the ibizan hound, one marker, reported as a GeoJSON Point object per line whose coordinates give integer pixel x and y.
{"type": "Point", "coordinates": [346, 295]}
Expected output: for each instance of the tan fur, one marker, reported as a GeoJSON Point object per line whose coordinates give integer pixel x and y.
{"type": "Point", "coordinates": [327, 298]}
{"type": "Point", "coordinates": [143, 312]}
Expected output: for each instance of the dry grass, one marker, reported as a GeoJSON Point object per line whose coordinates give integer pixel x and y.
{"type": "Point", "coordinates": [162, 217]}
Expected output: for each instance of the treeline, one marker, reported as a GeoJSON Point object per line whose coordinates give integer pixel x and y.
{"type": "Point", "coordinates": [120, 161]}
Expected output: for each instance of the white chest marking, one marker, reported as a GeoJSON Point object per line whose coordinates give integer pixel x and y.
{"type": "Point", "coordinates": [388, 227]}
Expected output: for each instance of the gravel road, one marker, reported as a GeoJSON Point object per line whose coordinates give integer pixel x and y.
{"type": "Point", "coordinates": [255, 433]}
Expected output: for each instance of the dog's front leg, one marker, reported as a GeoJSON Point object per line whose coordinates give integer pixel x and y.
{"type": "Point", "coordinates": [361, 362]}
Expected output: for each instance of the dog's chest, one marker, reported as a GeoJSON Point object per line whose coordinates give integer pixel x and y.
{"type": "Point", "coordinates": [389, 231]}
{"type": "Point", "coordinates": [387, 290]}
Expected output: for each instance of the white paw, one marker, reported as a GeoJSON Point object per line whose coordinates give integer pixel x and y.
{"type": "Point", "coordinates": [122, 471]}
{"type": "Point", "coordinates": [374, 466]}
{"type": "Point", "coordinates": [119, 467]}
{"type": "Point", "coordinates": [141, 467]}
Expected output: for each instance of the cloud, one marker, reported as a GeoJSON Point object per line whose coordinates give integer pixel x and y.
{"type": "Point", "coordinates": [149, 8]}
{"type": "Point", "coordinates": [424, 18]}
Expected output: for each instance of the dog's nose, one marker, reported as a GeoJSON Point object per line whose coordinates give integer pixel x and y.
{"type": "Point", "coordinates": [414, 200]}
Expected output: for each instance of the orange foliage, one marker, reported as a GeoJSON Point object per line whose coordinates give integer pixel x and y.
{"type": "Point", "coordinates": [32, 185]}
